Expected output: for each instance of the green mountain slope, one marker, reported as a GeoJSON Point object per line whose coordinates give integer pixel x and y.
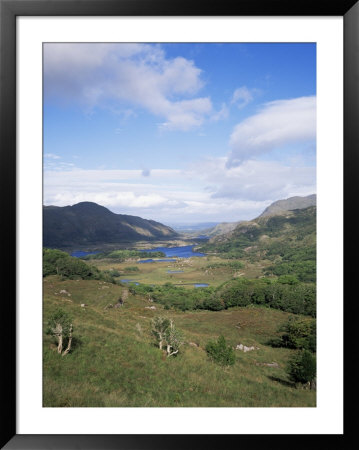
{"type": "Point", "coordinates": [275, 208]}
{"type": "Point", "coordinates": [287, 240]}
{"type": "Point", "coordinates": [87, 223]}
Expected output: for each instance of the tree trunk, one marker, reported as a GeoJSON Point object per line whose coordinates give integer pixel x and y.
{"type": "Point", "coordinates": [59, 343]}
{"type": "Point", "coordinates": [68, 348]}
{"type": "Point", "coordinates": [58, 334]}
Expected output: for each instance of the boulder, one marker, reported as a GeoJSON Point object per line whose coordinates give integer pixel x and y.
{"type": "Point", "coordinates": [245, 349]}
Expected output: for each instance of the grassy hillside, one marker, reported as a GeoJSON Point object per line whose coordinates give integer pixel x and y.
{"type": "Point", "coordinates": [286, 243]}
{"type": "Point", "coordinates": [115, 361]}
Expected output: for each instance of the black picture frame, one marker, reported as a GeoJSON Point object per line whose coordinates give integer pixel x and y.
{"type": "Point", "coordinates": [9, 10]}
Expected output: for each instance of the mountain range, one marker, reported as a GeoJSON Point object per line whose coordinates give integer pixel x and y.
{"type": "Point", "coordinates": [89, 224]}
{"type": "Point", "coordinates": [275, 208]}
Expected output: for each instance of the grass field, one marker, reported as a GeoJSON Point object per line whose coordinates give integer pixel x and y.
{"type": "Point", "coordinates": [115, 361]}
{"type": "Point", "coordinates": [193, 270]}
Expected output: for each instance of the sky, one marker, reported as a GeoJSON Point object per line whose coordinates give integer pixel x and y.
{"type": "Point", "coordinates": [179, 133]}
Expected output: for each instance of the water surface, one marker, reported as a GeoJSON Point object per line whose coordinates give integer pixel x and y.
{"type": "Point", "coordinates": [127, 280]}
{"type": "Point", "coordinates": [185, 251]}
{"type": "Point", "coordinates": [80, 254]}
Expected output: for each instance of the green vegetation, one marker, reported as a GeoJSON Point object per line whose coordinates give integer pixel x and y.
{"type": "Point", "coordinates": [89, 224]}
{"type": "Point", "coordinates": [60, 263]}
{"type": "Point", "coordinates": [114, 273]}
{"type": "Point", "coordinates": [159, 327]}
{"type": "Point", "coordinates": [174, 339]}
{"type": "Point", "coordinates": [297, 298]}
{"type": "Point", "coordinates": [220, 352]}
{"type": "Point", "coordinates": [131, 269]}
{"type": "Point", "coordinates": [265, 301]}
{"type": "Point", "coordinates": [61, 328]}
{"type": "Point", "coordinates": [298, 333]}
{"type": "Point", "coordinates": [123, 255]}
{"type": "Point", "coordinates": [114, 361]}
{"type": "Point", "coordinates": [302, 367]}
{"type": "Point", "coordinates": [167, 334]}
{"type": "Point", "coordinates": [235, 265]}
{"type": "Point", "coordinates": [287, 240]}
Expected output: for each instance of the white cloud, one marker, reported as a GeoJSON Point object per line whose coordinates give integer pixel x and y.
{"type": "Point", "coordinates": [51, 156]}
{"type": "Point", "coordinates": [223, 113]}
{"type": "Point", "coordinates": [135, 74]}
{"type": "Point", "coordinates": [255, 181]}
{"type": "Point", "coordinates": [207, 191]}
{"type": "Point", "coordinates": [242, 96]}
{"type": "Point", "coordinates": [278, 123]}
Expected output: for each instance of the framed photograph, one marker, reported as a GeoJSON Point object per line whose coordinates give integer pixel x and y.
{"type": "Point", "coordinates": [174, 179]}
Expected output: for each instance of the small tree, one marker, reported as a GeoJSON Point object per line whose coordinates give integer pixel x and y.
{"type": "Point", "coordinates": [60, 326]}
{"type": "Point", "coordinates": [174, 339]}
{"type": "Point", "coordinates": [220, 352]}
{"type": "Point", "coordinates": [300, 333]}
{"type": "Point", "coordinates": [159, 328]}
{"type": "Point", "coordinates": [302, 368]}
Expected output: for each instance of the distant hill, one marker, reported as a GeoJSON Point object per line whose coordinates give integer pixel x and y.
{"type": "Point", "coordinates": [275, 208]}
{"type": "Point", "coordinates": [288, 239]}
{"type": "Point", "coordinates": [220, 228]}
{"type": "Point", "coordinates": [89, 224]}
{"type": "Point", "coordinates": [289, 204]}
{"type": "Point", "coordinates": [192, 228]}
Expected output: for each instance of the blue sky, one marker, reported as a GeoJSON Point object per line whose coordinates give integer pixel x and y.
{"type": "Point", "coordinates": [179, 133]}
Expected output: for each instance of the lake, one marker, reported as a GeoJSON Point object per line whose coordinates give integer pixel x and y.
{"type": "Point", "coordinates": [185, 251]}
{"type": "Point", "coordinates": [156, 260]}
{"type": "Point", "coordinates": [127, 280]}
{"type": "Point", "coordinates": [79, 254]}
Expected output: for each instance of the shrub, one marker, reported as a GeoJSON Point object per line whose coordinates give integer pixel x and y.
{"type": "Point", "coordinates": [131, 269]}
{"type": "Point", "coordinates": [167, 334]}
{"type": "Point", "coordinates": [174, 339]}
{"type": "Point", "coordinates": [113, 273]}
{"type": "Point", "coordinates": [159, 328]}
{"type": "Point", "coordinates": [299, 333]}
{"type": "Point", "coordinates": [60, 327]}
{"type": "Point", "coordinates": [288, 279]}
{"type": "Point", "coordinates": [57, 262]}
{"type": "Point", "coordinates": [220, 352]}
{"type": "Point", "coordinates": [213, 304]}
{"type": "Point", "coordinates": [302, 367]}
{"type": "Point", "coordinates": [75, 268]}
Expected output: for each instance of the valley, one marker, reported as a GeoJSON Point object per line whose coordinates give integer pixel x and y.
{"type": "Point", "coordinates": [183, 271]}
{"type": "Point", "coordinates": [248, 285]}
